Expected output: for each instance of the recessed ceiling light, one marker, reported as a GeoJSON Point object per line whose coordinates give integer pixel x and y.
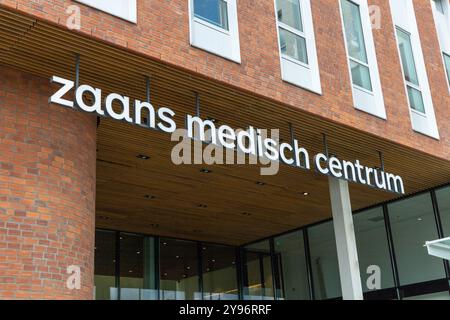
{"type": "Point", "coordinates": [149, 196]}
{"type": "Point", "coordinates": [178, 257]}
{"type": "Point", "coordinates": [202, 206]}
{"type": "Point", "coordinates": [305, 194]}
{"type": "Point", "coordinates": [213, 260]}
{"type": "Point", "coordinates": [130, 271]}
{"type": "Point", "coordinates": [259, 183]}
{"type": "Point", "coordinates": [138, 252]}
{"type": "Point", "coordinates": [142, 157]}
{"type": "Point", "coordinates": [188, 268]}
{"type": "Point", "coordinates": [419, 219]}
{"type": "Point", "coordinates": [164, 243]}
{"type": "Point", "coordinates": [246, 214]}
{"type": "Point", "coordinates": [205, 170]}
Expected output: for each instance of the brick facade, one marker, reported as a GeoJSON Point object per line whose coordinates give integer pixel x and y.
{"type": "Point", "coordinates": [47, 192]}
{"type": "Point", "coordinates": [162, 33]}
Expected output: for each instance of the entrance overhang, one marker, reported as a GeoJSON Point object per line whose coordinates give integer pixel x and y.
{"type": "Point", "coordinates": [227, 204]}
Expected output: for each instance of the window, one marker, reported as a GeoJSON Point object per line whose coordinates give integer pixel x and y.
{"type": "Point", "coordinates": [258, 281]}
{"type": "Point", "coordinates": [409, 71]}
{"type": "Point", "coordinates": [291, 261]}
{"type": "Point", "coordinates": [440, 6]}
{"type": "Point", "coordinates": [373, 250]}
{"type": "Point", "coordinates": [443, 199]}
{"type": "Point", "coordinates": [212, 11]}
{"type": "Point", "coordinates": [214, 27]}
{"type": "Point", "coordinates": [413, 223]}
{"type": "Point", "coordinates": [125, 9]}
{"type": "Point", "coordinates": [324, 261]}
{"type": "Point", "coordinates": [219, 273]}
{"type": "Point", "coordinates": [412, 62]}
{"type": "Point", "coordinates": [298, 55]}
{"type": "Point", "coordinates": [366, 85]}
{"type": "Point", "coordinates": [179, 274]}
{"type": "Point", "coordinates": [447, 66]}
{"type": "Point", "coordinates": [105, 266]}
{"type": "Point", "coordinates": [441, 15]}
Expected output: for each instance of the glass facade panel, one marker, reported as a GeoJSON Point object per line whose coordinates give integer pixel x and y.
{"type": "Point", "coordinates": [324, 263]}
{"type": "Point", "coordinates": [443, 199]}
{"type": "Point", "coordinates": [353, 31]}
{"type": "Point", "coordinates": [361, 75]}
{"type": "Point", "coordinates": [105, 265]}
{"type": "Point", "coordinates": [289, 13]}
{"type": "Point", "coordinates": [447, 65]}
{"type": "Point", "coordinates": [407, 57]}
{"type": "Point", "coordinates": [179, 274]}
{"type": "Point", "coordinates": [258, 280]}
{"type": "Point", "coordinates": [293, 45]}
{"type": "Point", "coordinates": [413, 223]}
{"type": "Point", "coordinates": [219, 273]}
{"type": "Point", "coordinates": [137, 268]}
{"type": "Point", "coordinates": [416, 99]}
{"type": "Point", "coordinates": [291, 262]}
{"type": "Point", "coordinates": [212, 11]}
{"type": "Point", "coordinates": [373, 249]}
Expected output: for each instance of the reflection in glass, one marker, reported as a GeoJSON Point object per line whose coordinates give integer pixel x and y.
{"type": "Point", "coordinates": [289, 13]}
{"type": "Point", "coordinates": [413, 223]}
{"type": "Point", "coordinates": [361, 75]}
{"type": "Point", "coordinates": [258, 281]}
{"type": "Point", "coordinates": [416, 99]}
{"type": "Point", "coordinates": [137, 268]}
{"type": "Point", "coordinates": [105, 265]}
{"type": "Point", "coordinates": [219, 273]}
{"type": "Point", "coordinates": [293, 45]}
{"type": "Point", "coordinates": [212, 11]}
{"type": "Point", "coordinates": [179, 270]}
{"type": "Point", "coordinates": [407, 57]}
{"type": "Point", "coordinates": [324, 261]}
{"type": "Point", "coordinates": [443, 200]}
{"type": "Point", "coordinates": [290, 259]}
{"type": "Point", "coordinates": [373, 250]}
{"type": "Point", "coordinates": [447, 65]}
{"type": "Point", "coordinates": [353, 31]}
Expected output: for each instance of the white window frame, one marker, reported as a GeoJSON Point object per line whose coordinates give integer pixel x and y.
{"type": "Point", "coordinates": [124, 9]}
{"type": "Point", "coordinates": [404, 17]}
{"type": "Point", "coordinates": [371, 102]}
{"type": "Point", "coordinates": [214, 39]}
{"type": "Point", "coordinates": [442, 22]}
{"type": "Point", "coordinates": [306, 76]}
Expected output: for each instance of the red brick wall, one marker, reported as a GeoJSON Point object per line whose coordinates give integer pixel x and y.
{"type": "Point", "coordinates": [162, 33]}
{"type": "Point", "coordinates": [47, 192]}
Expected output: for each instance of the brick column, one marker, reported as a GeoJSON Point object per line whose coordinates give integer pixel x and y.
{"type": "Point", "coordinates": [47, 191]}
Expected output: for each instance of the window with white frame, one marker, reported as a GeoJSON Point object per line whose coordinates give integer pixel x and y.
{"type": "Point", "coordinates": [125, 9]}
{"type": "Point", "coordinates": [441, 13]}
{"type": "Point", "coordinates": [413, 67]}
{"type": "Point", "coordinates": [362, 61]}
{"type": "Point", "coordinates": [214, 27]}
{"type": "Point", "coordinates": [297, 45]}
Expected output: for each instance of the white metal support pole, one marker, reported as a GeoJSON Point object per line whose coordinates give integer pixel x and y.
{"type": "Point", "coordinates": [345, 239]}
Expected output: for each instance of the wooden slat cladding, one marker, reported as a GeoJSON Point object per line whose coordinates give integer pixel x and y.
{"type": "Point", "coordinates": [238, 210]}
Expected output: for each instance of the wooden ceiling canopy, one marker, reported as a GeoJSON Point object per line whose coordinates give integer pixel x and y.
{"type": "Point", "coordinates": [226, 205]}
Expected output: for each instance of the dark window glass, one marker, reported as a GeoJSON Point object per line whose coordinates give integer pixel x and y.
{"type": "Point", "coordinates": [219, 273]}
{"type": "Point", "coordinates": [324, 261]}
{"type": "Point", "coordinates": [447, 66]}
{"type": "Point", "coordinates": [413, 223]}
{"type": "Point", "coordinates": [212, 11]}
{"type": "Point", "coordinates": [105, 265]}
{"type": "Point", "coordinates": [179, 270]}
{"type": "Point", "coordinates": [137, 268]}
{"type": "Point", "coordinates": [291, 266]}
{"type": "Point", "coordinates": [443, 199]}
{"type": "Point", "coordinates": [258, 282]}
{"type": "Point", "coordinates": [373, 250]}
